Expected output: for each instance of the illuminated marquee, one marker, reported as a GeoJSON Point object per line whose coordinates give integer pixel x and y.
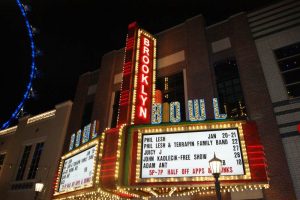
{"type": "Point", "coordinates": [183, 152]}
{"type": "Point", "coordinates": [186, 154]}
{"type": "Point", "coordinates": [179, 154]}
{"type": "Point", "coordinates": [77, 169]}
{"type": "Point", "coordinates": [138, 159]}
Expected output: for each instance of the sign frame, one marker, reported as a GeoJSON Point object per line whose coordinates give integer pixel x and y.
{"type": "Point", "coordinates": [195, 131]}
{"type": "Point", "coordinates": [90, 144]}
{"type": "Point", "coordinates": [133, 158]}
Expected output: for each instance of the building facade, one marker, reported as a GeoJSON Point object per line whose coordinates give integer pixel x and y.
{"type": "Point", "coordinates": [30, 153]}
{"type": "Point", "coordinates": [276, 31]}
{"type": "Point", "coordinates": [228, 60]}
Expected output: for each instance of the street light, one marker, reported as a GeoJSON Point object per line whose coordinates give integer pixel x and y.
{"type": "Point", "coordinates": [38, 188]}
{"type": "Point", "coordinates": [216, 166]}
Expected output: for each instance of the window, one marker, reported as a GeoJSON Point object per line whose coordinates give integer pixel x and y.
{"type": "Point", "coordinates": [288, 59]}
{"type": "Point", "coordinates": [172, 88]}
{"type": "Point", "coordinates": [2, 157]}
{"type": "Point", "coordinates": [115, 109]}
{"type": "Point", "coordinates": [87, 114]}
{"type": "Point", "coordinates": [35, 160]}
{"type": "Point", "coordinates": [23, 163]}
{"type": "Point", "coordinates": [229, 89]}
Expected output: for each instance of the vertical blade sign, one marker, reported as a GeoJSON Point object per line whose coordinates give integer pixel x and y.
{"type": "Point", "coordinates": [139, 72]}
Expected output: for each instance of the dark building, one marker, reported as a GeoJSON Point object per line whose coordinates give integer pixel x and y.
{"type": "Point", "coordinates": [223, 60]}
{"type": "Point", "coordinates": [276, 32]}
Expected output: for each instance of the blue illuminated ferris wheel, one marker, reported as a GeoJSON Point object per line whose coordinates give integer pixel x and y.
{"type": "Point", "coordinates": [28, 89]}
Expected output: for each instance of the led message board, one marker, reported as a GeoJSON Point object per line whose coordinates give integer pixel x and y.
{"type": "Point", "coordinates": [78, 171]}
{"type": "Point", "coordinates": [187, 154]}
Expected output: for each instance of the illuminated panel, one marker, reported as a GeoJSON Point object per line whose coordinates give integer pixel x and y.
{"type": "Point", "coordinates": [77, 169]}
{"type": "Point", "coordinates": [144, 79]}
{"type": "Point", "coordinates": [86, 133]}
{"type": "Point", "coordinates": [175, 115]}
{"type": "Point", "coordinates": [217, 110]}
{"type": "Point", "coordinates": [187, 154]}
{"type": "Point", "coordinates": [170, 140]}
{"type": "Point", "coordinates": [156, 113]}
{"type": "Point", "coordinates": [95, 128]}
{"type": "Point", "coordinates": [78, 137]}
{"type": "Point", "coordinates": [196, 110]}
{"type": "Point", "coordinates": [72, 141]}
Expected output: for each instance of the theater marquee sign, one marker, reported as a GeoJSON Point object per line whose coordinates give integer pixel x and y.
{"type": "Point", "coordinates": [186, 154]}
{"type": "Point", "coordinates": [144, 157]}
{"type": "Point", "coordinates": [170, 154]}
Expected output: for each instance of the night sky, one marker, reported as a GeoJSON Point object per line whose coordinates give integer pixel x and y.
{"type": "Point", "coordinates": [73, 36]}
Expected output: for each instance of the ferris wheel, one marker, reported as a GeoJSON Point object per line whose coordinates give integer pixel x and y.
{"type": "Point", "coordinates": [19, 109]}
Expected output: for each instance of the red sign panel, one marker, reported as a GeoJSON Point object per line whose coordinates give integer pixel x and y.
{"type": "Point", "coordinates": [137, 93]}
{"type": "Point", "coordinates": [143, 83]}
{"type": "Point", "coordinates": [126, 91]}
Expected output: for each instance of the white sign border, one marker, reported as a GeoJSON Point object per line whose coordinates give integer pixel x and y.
{"type": "Point", "coordinates": [195, 131]}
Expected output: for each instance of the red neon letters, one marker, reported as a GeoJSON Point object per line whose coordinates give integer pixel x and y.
{"type": "Point", "coordinates": [142, 109]}
{"type": "Point", "coordinates": [144, 86]}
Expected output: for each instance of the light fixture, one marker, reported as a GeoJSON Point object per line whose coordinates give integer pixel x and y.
{"type": "Point", "coordinates": [216, 166]}
{"type": "Point", "coordinates": [38, 187]}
